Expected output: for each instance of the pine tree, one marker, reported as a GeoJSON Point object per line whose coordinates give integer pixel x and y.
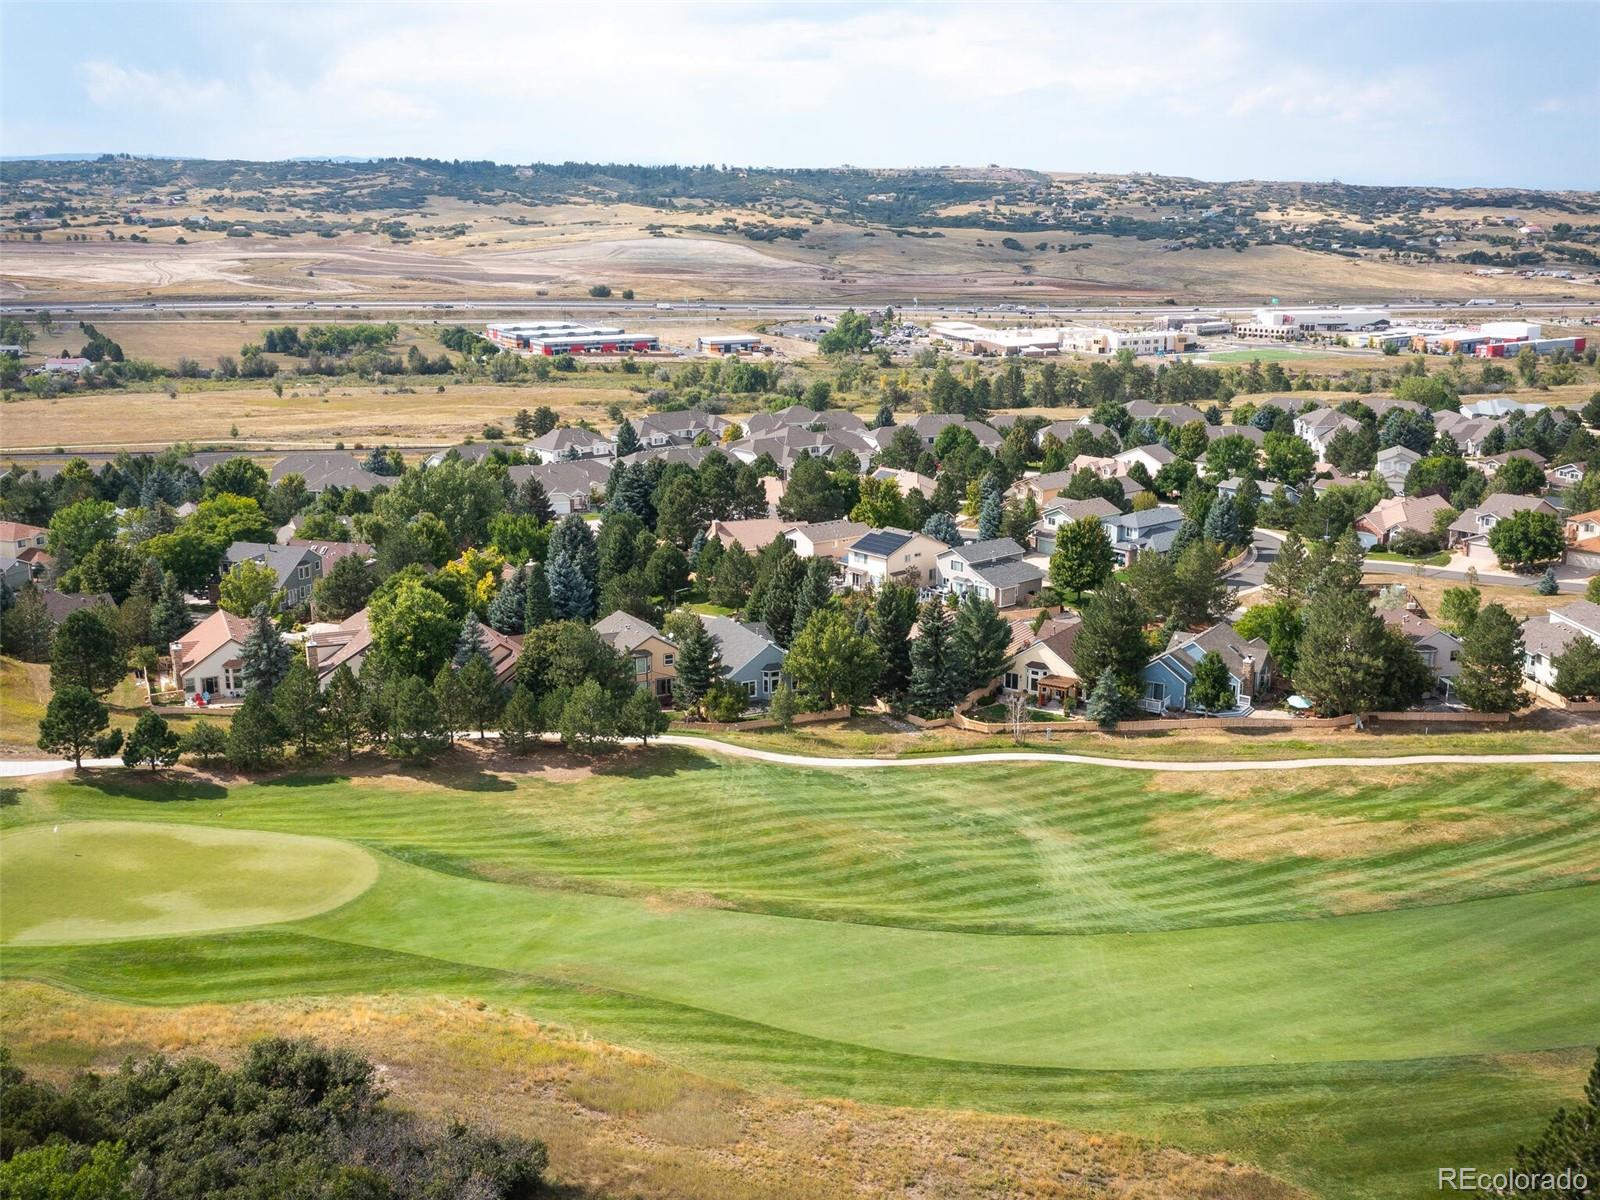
{"type": "Point", "coordinates": [470, 641]}
{"type": "Point", "coordinates": [935, 672]}
{"type": "Point", "coordinates": [627, 438]}
{"type": "Point", "coordinates": [450, 699]}
{"type": "Point", "coordinates": [520, 724]}
{"type": "Point", "coordinates": [344, 715]}
{"type": "Point", "coordinates": [979, 639]}
{"type": "Point", "coordinates": [1288, 575]}
{"type": "Point", "coordinates": [990, 517]}
{"type": "Point", "coordinates": [894, 612]}
{"type": "Point", "coordinates": [265, 655]}
{"type": "Point", "coordinates": [942, 526]}
{"type": "Point", "coordinates": [152, 743]}
{"type": "Point", "coordinates": [537, 611]}
{"type": "Point", "coordinates": [1107, 703]}
{"type": "Point", "coordinates": [574, 537]}
{"type": "Point", "coordinates": [816, 589]}
{"type": "Point", "coordinates": [73, 723]}
{"type": "Point", "coordinates": [571, 594]}
{"type": "Point", "coordinates": [416, 732]}
{"type": "Point", "coordinates": [534, 501]}
{"type": "Point", "coordinates": [697, 546]}
{"type": "Point", "coordinates": [699, 665]}
{"type": "Point", "coordinates": [1340, 666]}
{"type": "Point", "coordinates": [255, 739]}
{"type": "Point", "coordinates": [1222, 522]}
{"type": "Point", "coordinates": [508, 609]}
{"type": "Point", "coordinates": [1111, 638]}
{"type": "Point", "coordinates": [297, 702]}
{"type": "Point", "coordinates": [784, 705]}
{"type": "Point", "coordinates": [732, 577]}
{"type": "Point", "coordinates": [1491, 662]}
{"type": "Point", "coordinates": [26, 628]}
{"type": "Point", "coordinates": [641, 716]}
{"type": "Point", "coordinates": [482, 696]}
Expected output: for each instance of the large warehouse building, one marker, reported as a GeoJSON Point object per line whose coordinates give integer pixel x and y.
{"type": "Point", "coordinates": [1291, 324]}
{"type": "Point", "coordinates": [568, 337]}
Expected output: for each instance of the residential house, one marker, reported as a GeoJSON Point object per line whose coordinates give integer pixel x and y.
{"type": "Point", "coordinates": [1135, 532]}
{"type": "Point", "coordinates": [750, 658]}
{"type": "Point", "coordinates": [1583, 530]}
{"type": "Point", "coordinates": [1249, 432]}
{"type": "Point", "coordinates": [1153, 457]}
{"type": "Point", "coordinates": [1064, 512]}
{"type": "Point", "coordinates": [1498, 406]}
{"type": "Point", "coordinates": [327, 469]}
{"type": "Point", "coordinates": [1390, 516]}
{"type": "Point", "coordinates": [569, 485]}
{"type": "Point", "coordinates": [798, 415]}
{"type": "Point", "coordinates": [297, 567]}
{"type": "Point", "coordinates": [1469, 533]}
{"type": "Point", "coordinates": [908, 481]}
{"type": "Point", "coordinates": [1491, 463]}
{"type": "Point", "coordinates": [930, 425]}
{"type": "Point", "coordinates": [331, 645]}
{"type": "Point", "coordinates": [1467, 432]}
{"type": "Point", "coordinates": [881, 555]}
{"type": "Point", "coordinates": [676, 428]}
{"type": "Point", "coordinates": [825, 539]}
{"type": "Point", "coordinates": [332, 552]}
{"type": "Point", "coordinates": [753, 533]}
{"type": "Point", "coordinates": [1106, 468]}
{"type": "Point", "coordinates": [1317, 427]}
{"type": "Point", "coordinates": [1545, 638]}
{"type": "Point", "coordinates": [1559, 478]}
{"type": "Point", "coordinates": [65, 366]}
{"type": "Point", "coordinates": [565, 443]}
{"type": "Point", "coordinates": [654, 655]}
{"type": "Point", "coordinates": [1039, 663]}
{"type": "Point", "coordinates": [15, 573]}
{"type": "Point", "coordinates": [467, 452]}
{"type": "Point", "coordinates": [689, 455]}
{"type": "Point", "coordinates": [61, 605]}
{"type": "Point", "coordinates": [994, 570]}
{"type": "Point", "coordinates": [1169, 675]}
{"type": "Point", "coordinates": [207, 661]}
{"type": "Point", "coordinates": [1179, 414]}
{"type": "Point", "coordinates": [1439, 649]}
{"type": "Point", "coordinates": [1394, 464]}
{"type": "Point", "coordinates": [15, 537]}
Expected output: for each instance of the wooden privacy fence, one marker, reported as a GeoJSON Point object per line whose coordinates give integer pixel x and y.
{"type": "Point", "coordinates": [1231, 724]}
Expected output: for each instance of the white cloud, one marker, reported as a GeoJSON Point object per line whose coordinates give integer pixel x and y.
{"type": "Point", "coordinates": [112, 85]}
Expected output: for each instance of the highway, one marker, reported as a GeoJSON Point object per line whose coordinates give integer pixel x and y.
{"type": "Point", "coordinates": [788, 308]}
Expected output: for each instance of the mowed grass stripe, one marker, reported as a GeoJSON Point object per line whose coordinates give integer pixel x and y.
{"type": "Point", "coordinates": [1000, 849]}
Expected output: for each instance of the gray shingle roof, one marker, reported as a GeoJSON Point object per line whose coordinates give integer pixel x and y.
{"type": "Point", "coordinates": [739, 641]}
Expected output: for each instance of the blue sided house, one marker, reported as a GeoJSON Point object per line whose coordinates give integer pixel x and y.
{"type": "Point", "coordinates": [1168, 675]}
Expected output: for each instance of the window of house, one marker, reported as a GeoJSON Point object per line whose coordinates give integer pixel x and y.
{"type": "Point", "coordinates": [305, 571]}
{"type": "Point", "coordinates": [769, 680]}
{"type": "Point", "coordinates": [1011, 681]}
{"type": "Point", "coordinates": [1155, 690]}
{"type": "Point", "coordinates": [750, 687]}
{"type": "Point", "coordinates": [667, 658]}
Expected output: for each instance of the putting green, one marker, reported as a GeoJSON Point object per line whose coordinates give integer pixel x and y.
{"type": "Point", "coordinates": [86, 881]}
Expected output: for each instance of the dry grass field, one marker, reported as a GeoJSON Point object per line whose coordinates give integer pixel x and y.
{"type": "Point", "coordinates": [622, 1123]}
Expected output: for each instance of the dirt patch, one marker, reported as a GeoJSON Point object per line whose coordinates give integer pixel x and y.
{"type": "Point", "coordinates": [622, 1123]}
{"type": "Point", "coordinates": [1247, 833]}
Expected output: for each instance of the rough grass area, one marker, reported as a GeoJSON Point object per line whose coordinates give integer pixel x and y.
{"type": "Point", "coordinates": [25, 692]}
{"type": "Point", "coordinates": [1093, 946]}
{"type": "Point", "coordinates": [621, 1123]}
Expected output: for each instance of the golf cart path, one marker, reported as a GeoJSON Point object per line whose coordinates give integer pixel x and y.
{"type": "Point", "coordinates": [22, 768]}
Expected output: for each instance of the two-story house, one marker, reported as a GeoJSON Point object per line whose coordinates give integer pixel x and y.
{"type": "Point", "coordinates": [1135, 532]}
{"type": "Point", "coordinates": [881, 555]}
{"type": "Point", "coordinates": [1440, 650]}
{"type": "Point", "coordinates": [297, 567]}
{"type": "Point", "coordinates": [994, 570]}
{"type": "Point", "coordinates": [1064, 512]}
{"type": "Point", "coordinates": [1169, 675]}
{"type": "Point", "coordinates": [654, 655]}
{"type": "Point", "coordinates": [1469, 533]}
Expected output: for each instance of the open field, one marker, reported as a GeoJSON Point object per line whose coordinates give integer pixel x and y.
{"type": "Point", "coordinates": [1520, 602]}
{"type": "Point", "coordinates": [1270, 971]}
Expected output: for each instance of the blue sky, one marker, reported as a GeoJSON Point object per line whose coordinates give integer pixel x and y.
{"type": "Point", "coordinates": [1447, 93]}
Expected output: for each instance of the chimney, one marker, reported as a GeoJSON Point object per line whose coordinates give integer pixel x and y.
{"type": "Point", "coordinates": [311, 655]}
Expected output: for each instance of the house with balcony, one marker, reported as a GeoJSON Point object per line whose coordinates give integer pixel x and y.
{"type": "Point", "coordinates": [883, 555]}
{"type": "Point", "coordinates": [653, 655]}
{"type": "Point", "coordinates": [1168, 677]}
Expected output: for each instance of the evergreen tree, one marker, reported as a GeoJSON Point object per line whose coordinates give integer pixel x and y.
{"type": "Point", "coordinates": [936, 674]}
{"type": "Point", "coordinates": [1288, 576]}
{"type": "Point", "coordinates": [894, 612]}
{"type": "Point", "coordinates": [1578, 669]}
{"type": "Point", "coordinates": [990, 517]}
{"type": "Point", "coordinates": [699, 665]}
{"type": "Point", "coordinates": [1201, 594]}
{"type": "Point", "coordinates": [942, 525]}
{"type": "Point", "coordinates": [1222, 523]}
{"type": "Point", "coordinates": [265, 655]}
{"type": "Point", "coordinates": [534, 501]}
{"type": "Point", "coordinates": [470, 642]}
{"type": "Point", "coordinates": [778, 601]}
{"type": "Point", "coordinates": [345, 710]}
{"type": "Point", "coordinates": [1548, 584]}
{"type": "Point", "coordinates": [450, 699]}
{"type": "Point", "coordinates": [697, 545]}
{"type": "Point", "coordinates": [255, 740]}
{"type": "Point", "coordinates": [207, 741]}
{"type": "Point", "coordinates": [589, 719]}
{"type": "Point", "coordinates": [416, 732]}
{"type": "Point", "coordinates": [627, 439]}
{"type": "Point", "coordinates": [87, 652]}
{"type": "Point", "coordinates": [784, 706]}
{"type": "Point", "coordinates": [574, 538]}
{"type": "Point", "coordinates": [1211, 689]}
{"type": "Point", "coordinates": [641, 716]}
{"type": "Point", "coordinates": [1342, 664]}
{"type": "Point", "coordinates": [571, 595]}
{"type": "Point", "coordinates": [520, 723]}
{"type": "Point", "coordinates": [1108, 703]}
{"type": "Point", "coordinates": [1111, 639]}
{"type": "Point", "coordinates": [1491, 662]}
{"type": "Point", "coordinates": [297, 702]}
{"type": "Point", "coordinates": [26, 628]}
{"type": "Point", "coordinates": [74, 723]}
{"type": "Point", "coordinates": [733, 577]}
{"type": "Point", "coordinates": [816, 589]}
{"type": "Point", "coordinates": [508, 610]}
{"type": "Point", "coordinates": [537, 610]}
{"type": "Point", "coordinates": [481, 695]}
{"type": "Point", "coordinates": [151, 743]}
{"type": "Point", "coordinates": [979, 641]}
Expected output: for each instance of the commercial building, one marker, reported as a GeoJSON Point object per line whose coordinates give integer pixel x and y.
{"type": "Point", "coordinates": [568, 337]}
{"type": "Point", "coordinates": [1540, 346]}
{"type": "Point", "coordinates": [1083, 339]}
{"type": "Point", "coordinates": [741, 343]}
{"type": "Point", "coordinates": [1291, 324]}
{"type": "Point", "coordinates": [977, 339]}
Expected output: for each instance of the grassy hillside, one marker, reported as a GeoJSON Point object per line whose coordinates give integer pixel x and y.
{"type": "Point", "coordinates": [1274, 971]}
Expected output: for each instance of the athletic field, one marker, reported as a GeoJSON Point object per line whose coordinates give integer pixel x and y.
{"type": "Point", "coordinates": [1346, 979]}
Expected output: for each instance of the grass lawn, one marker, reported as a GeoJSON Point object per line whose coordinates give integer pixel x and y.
{"type": "Point", "coordinates": [1272, 968]}
{"type": "Point", "coordinates": [1269, 354]}
{"type": "Point", "coordinates": [25, 692]}
{"type": "Point", "coordinates": [1441, 559]}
